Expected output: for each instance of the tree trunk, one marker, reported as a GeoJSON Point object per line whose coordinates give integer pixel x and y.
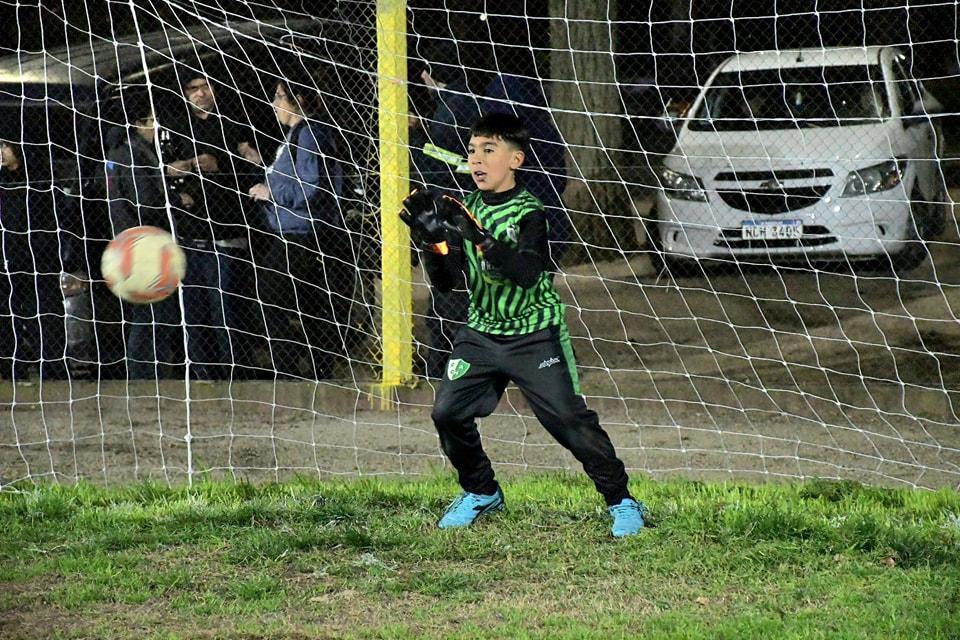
{"type": "Point", "coordinates": [588, 111]}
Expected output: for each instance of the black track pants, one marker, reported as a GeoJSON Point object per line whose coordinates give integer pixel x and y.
{"type": "Point", "coordinates": [541, 364]}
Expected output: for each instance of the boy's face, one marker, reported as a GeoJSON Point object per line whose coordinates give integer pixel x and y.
{"type": "Point", "coordinates": [493, 162]}
{"type": "Point", "coordinates": [147, 127]}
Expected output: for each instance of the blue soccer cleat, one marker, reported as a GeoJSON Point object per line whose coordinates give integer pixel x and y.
{"type": "Point", "coordinates": [627, 518]}
{"type": "Point", "coordinates": [463, 511]}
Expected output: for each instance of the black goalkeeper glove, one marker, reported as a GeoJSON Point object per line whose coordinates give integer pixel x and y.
{"type": "Point", "coordinates": [458, 219]}
{"type": "Point", "coordinates": [420, 213]}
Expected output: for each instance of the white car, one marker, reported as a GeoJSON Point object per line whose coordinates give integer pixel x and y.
{"type": "Point", "coordinates": [803, 156]}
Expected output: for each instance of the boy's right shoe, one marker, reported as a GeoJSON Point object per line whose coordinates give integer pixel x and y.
{"type": "Point", "coordinates": [627, 518]}
{"type": "Point", "coordinates": [465, 510]}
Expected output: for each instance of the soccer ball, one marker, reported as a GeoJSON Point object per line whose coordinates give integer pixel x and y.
{"type": "Point", "coordinates": [143, 265]}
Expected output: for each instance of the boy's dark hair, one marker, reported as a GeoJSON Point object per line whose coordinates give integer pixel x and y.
{"type": "Point", "coordinates": [505, 126]}
{"type": "Point", "coordinates": [136, 107]}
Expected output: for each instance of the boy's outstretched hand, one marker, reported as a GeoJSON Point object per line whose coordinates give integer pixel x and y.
{"type": "Point", "coordinates": [458, 219]}
{"type": "Point", "coordinates": [420, 213]}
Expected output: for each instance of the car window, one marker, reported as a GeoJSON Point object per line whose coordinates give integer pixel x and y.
{"type": "Point", "coordinates": [792, 98]}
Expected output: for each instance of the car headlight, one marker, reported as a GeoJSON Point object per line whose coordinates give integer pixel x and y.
{"type": "Point", "coordinates": [879, 177]}
{"type": "Point", "coordinates": [680, 186]}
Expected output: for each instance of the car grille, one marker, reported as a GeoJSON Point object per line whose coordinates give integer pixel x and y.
{"type": "Point", "coordinates": [776, 200]}
{"type": "Point", "coordinates": [782, 174]}
{"type": "Point", "coordinates": [813, 236]}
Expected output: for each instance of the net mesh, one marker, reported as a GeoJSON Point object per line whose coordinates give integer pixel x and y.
{"type": "Point", "coordinates": [751, 209]}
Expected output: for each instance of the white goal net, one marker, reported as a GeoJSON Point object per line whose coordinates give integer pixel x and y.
{"type": "Point", "coordinates": [751, 205]}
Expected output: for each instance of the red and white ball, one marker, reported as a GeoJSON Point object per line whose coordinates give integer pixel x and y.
{"type": "Point", "coordinates": [143, 265]}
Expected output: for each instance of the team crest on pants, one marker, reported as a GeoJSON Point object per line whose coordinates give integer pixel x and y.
{"type": "Point", "coordinates": [456, 368]}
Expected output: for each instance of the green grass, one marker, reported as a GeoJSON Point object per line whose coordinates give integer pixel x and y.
{"type": "Point", "coordinates": [363, 559]}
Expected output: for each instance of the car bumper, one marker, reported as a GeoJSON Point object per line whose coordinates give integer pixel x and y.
{"type": "Point", "coordinates": [857, 228]}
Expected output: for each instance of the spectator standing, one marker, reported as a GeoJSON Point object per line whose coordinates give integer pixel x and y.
{"type": "Point", "coordinates": [207, 157]}
{"type": "Point", "coordinates": [438, 162]}
{"type": "Point", "coordinates": [138, 194]}
{"type": "Point", "coordinates": [30, 268]}
{"type": "Point", "coordinates": [307, 262]}
{"type": "Point", "coordinates": [439, 158]}
{"type": "Point", "coordinates": [544, 174]}
{"type": "Point", "coordinates": [438, 147]}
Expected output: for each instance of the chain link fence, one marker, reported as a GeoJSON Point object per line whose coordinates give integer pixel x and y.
{"type": "Point", "coordinates": [604, 87]}
{"type": "Point", "coordinates": [252, 305]}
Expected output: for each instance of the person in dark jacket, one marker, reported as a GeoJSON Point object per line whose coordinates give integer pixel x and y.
{"type": "Point", "coordinates": [438, 146]}
{"type": "Point", "coordinates": [30, 267]}
{"type": "Point", "coordinates": [210, 158]}
{"type": "Point", "coordinates": [438, 162]}
{"type": "Point", "coordinates": [306, 267]}
{"type": "Point", "coordinates": [138, 195]}
{"type": "Point", "coordinates": [438, 155]}
{"type": "Point", "coordinates": [545, 173]}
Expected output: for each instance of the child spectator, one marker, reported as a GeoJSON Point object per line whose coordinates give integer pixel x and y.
{"type": "Point", "coordinates": [138, 195]}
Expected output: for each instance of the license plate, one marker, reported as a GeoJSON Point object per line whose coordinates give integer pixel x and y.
{"type": "Point", "coordinates": [772, 229]}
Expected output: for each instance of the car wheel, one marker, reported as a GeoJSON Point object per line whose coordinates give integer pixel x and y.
{"type": "Point", "coordinates": [929, 216]}
{"type": "Point", "coordinates": [939, 210]}
{"type": "Point", "coordinates": [919, 227]}
{"type": "Point", "coordinates": [684, 267]}
{"type": "Point", "coordinates": [910, 258]}
{"type": "Point", "coordinates": [661, 261]}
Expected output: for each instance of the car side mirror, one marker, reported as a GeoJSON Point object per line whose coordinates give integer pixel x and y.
{"type": "Point", "coordinates": [674, 113]}
{"type": "Point", "coordinates": [927, 105]}
{"type": "Point", "coordinates": [921, 110]}
{"type": "Point", "coordinates": [913, 114]}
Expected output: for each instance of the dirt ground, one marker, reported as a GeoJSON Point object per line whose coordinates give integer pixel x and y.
{"type": "Point", "coordinates": [760, 374]}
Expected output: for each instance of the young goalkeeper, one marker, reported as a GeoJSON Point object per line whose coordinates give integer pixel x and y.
{"type": "Point", "coordinates": [516, 330]}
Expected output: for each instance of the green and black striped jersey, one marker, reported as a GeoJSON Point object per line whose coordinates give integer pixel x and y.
{"type": "Point", "coordinates": [497, 304]}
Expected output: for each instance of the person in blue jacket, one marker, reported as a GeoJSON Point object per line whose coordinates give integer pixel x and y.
{"type": "Point", "coordinates": [305, 271]}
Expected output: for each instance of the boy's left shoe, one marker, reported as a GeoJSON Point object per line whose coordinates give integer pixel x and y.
{"type": "Point", "coordinates": [627, 518]}
{"type": "Point", "coordinates": [464, 511]}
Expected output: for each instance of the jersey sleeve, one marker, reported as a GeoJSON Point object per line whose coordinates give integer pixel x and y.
{"type": "Point", "coordinates": [445, 271]}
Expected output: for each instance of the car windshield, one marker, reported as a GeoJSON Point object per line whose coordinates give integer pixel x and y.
{"type": "Point", "coordinates": [793, 98]}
